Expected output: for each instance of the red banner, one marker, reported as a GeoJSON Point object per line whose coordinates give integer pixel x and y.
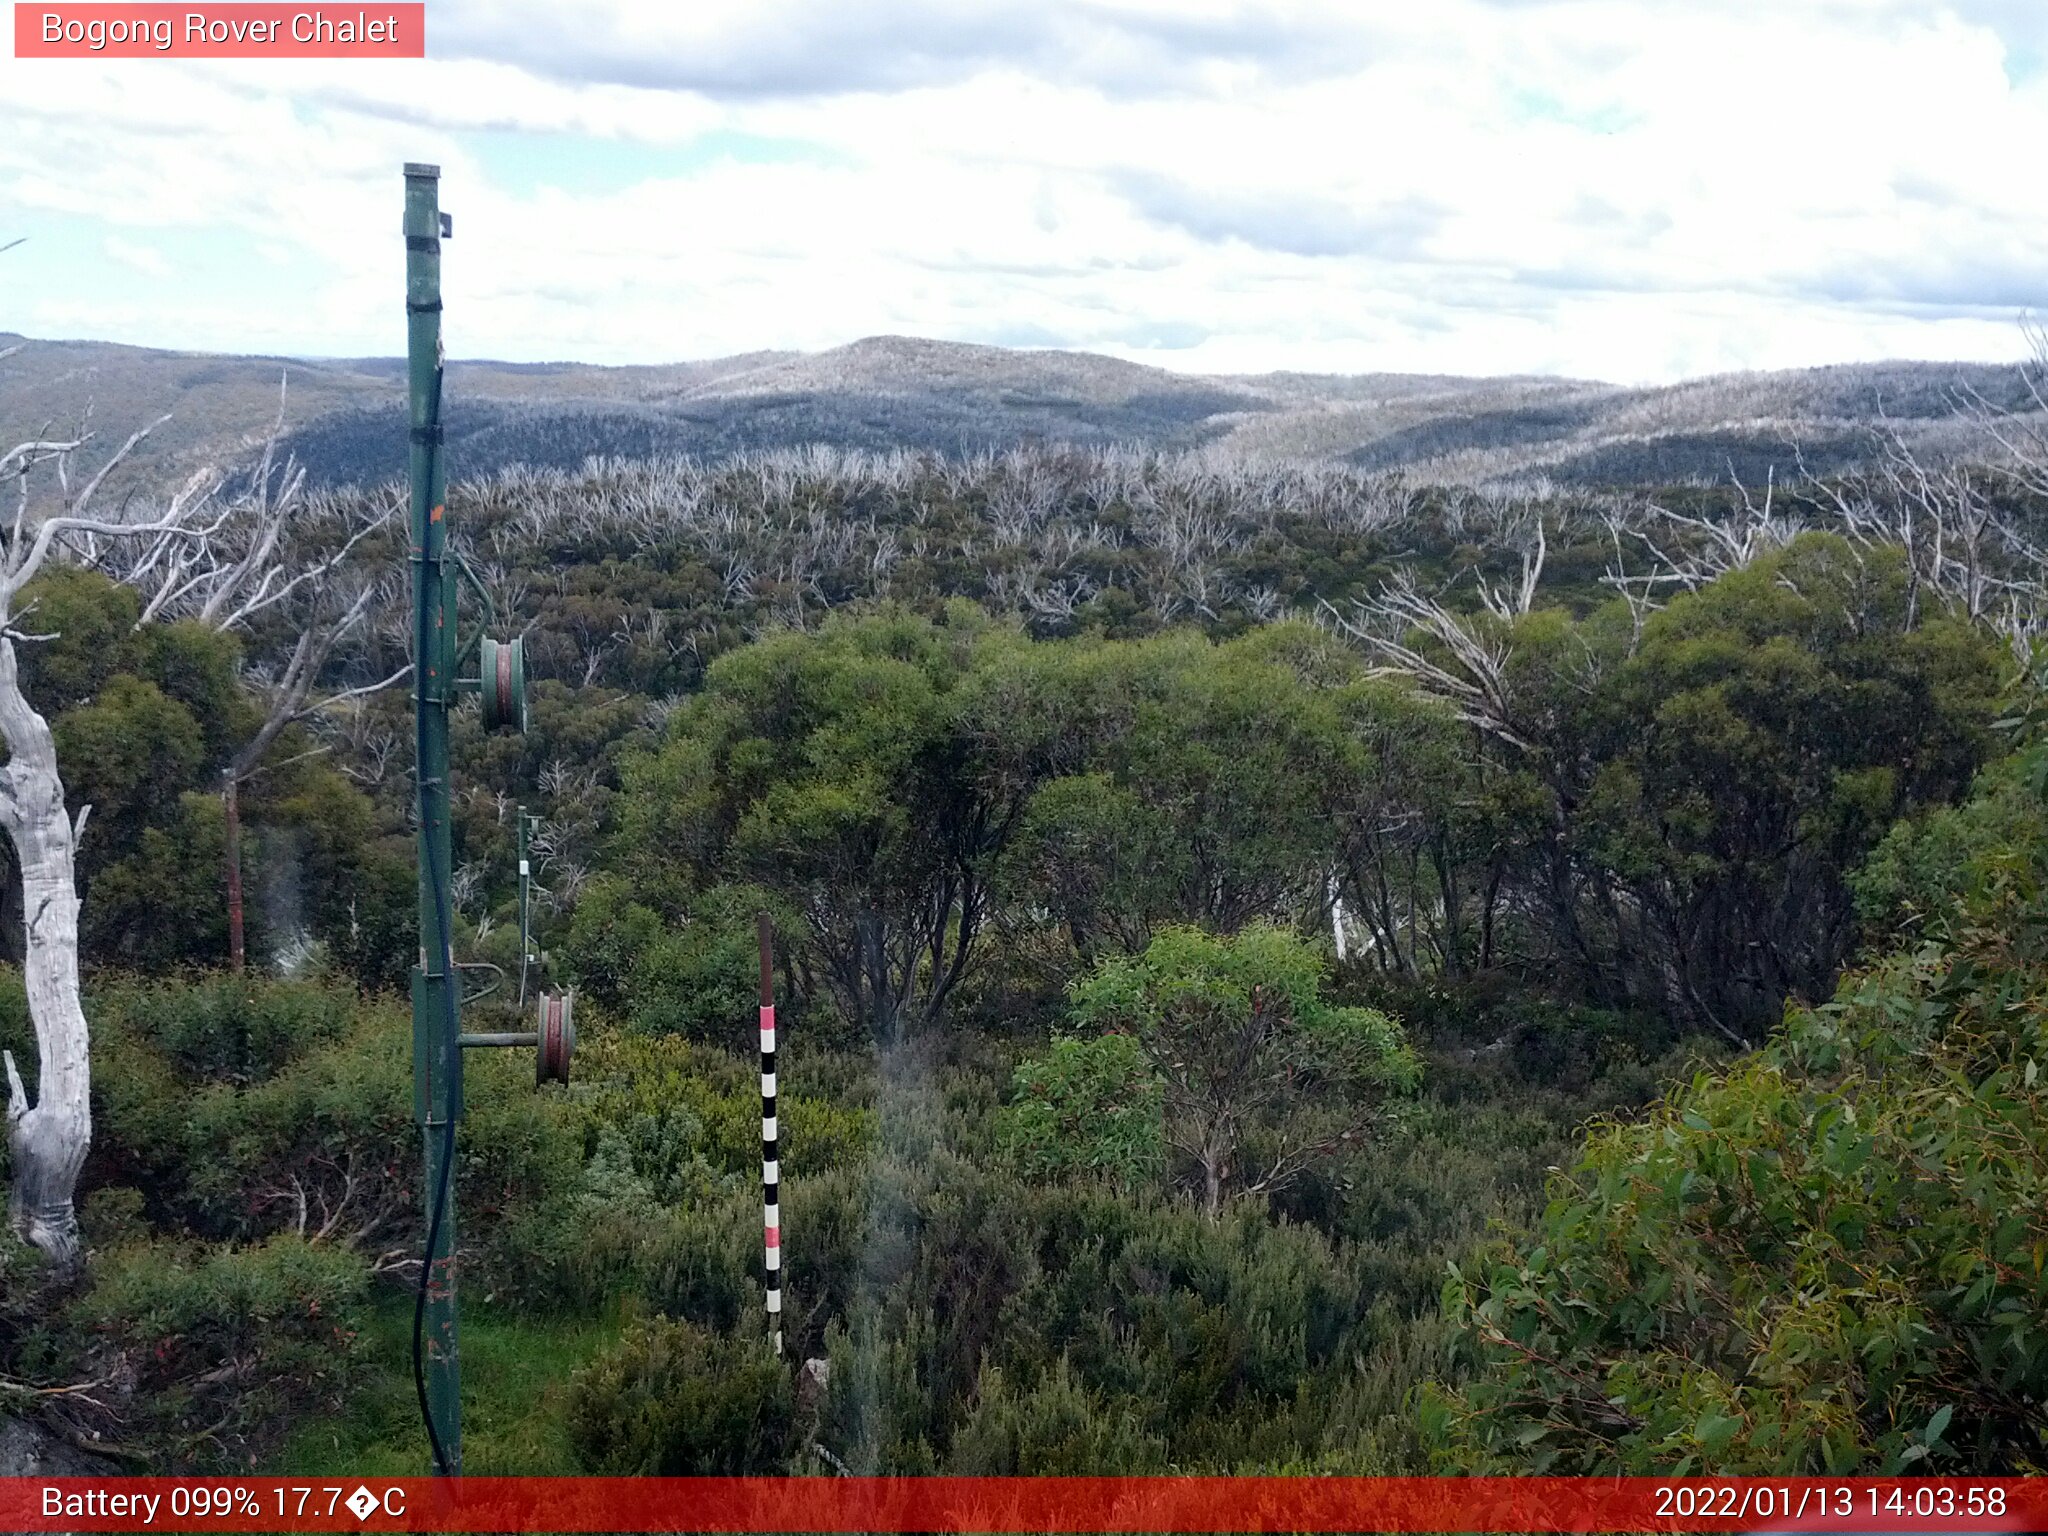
{"type": "Point", "coordinates": [375, 30]}
{"type": "Point", "coordinates": [992, 1504]}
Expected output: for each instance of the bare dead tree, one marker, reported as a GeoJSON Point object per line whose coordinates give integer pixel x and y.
{"type": "Point", "coordinates": [48, 1138]}
{"type": "Point", "coordinates": [1468, 666]}
{"type": "Point", "coordinates": [466, 884]}
{"type": "Point", "coordinates": [2021, 434]}
{"type": "Point", "coordinates": [596, 651]}
{"type": "Point", "coordinates": [369, 743]}
{"type": "Point", "coordinates": [568, 827]}
{"type": "Point", "coordinates": [1263, 602]}
{"type": "Point", "coordinates": [254, 560]}
{"type": "Point", "coordinates": [1524, 532]}
{"type": "Point", "coordinates": [291, 698]}
{"type": "Point", "coordinates": [1638, 590]}
{"type": "Point", "coordinates": [658, 712]}
{"type": "Point", "coordinates": [1956, 517]}
{"type": "Point", "coordinates": [1707, 547]}
{"type": "Point", "coordinates": [264, 558]}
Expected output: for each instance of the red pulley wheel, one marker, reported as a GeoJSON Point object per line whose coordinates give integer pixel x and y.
{"type": "Point", "coordinates": [503, 684]}
{"type": "Point", "coordinates": [557, 1038]}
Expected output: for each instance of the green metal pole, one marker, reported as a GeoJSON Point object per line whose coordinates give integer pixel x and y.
{"type": "Point", "coordinates": [437, 1055]}
{"type": "Point", "coordinates": [525, 913]}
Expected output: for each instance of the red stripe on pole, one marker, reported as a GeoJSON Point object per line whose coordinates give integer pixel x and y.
{"type": "Point", "coordinates": [774, 1238]}
{"type": "Point", "coordinates": [1076, 1504]}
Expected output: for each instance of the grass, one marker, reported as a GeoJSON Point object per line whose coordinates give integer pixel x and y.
{"type": "Point", "coordinates": [514, 1372]}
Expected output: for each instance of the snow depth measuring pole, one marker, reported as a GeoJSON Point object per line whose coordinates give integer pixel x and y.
{"type": "Point", "coordinates": [437, 1039]}
{"type": "Point", "coordinates": [771, 1158]}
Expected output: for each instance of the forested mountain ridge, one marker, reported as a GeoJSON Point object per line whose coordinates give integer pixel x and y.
{"type": "Point", "coordinates": [893, 392]}
{"type": "Point", "coordinates": [1427, 822]}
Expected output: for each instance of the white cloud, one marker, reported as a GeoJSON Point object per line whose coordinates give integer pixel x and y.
{"type": "Point", "coordinates": [1625, 190]}
{"type": "Point", "coordinates": [145, 259]}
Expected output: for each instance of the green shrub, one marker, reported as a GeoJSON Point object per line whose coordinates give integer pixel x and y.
{"type": "Point", "coordinates": [690, 1115]}
{"type": "Point", "coordinates": [575, 1253]}
{"type": "Point", "coordinates": [1262, 1078]}
{"type": "Point", "coordinates": [243, 1108]}
{"type": "Point", "coordinates": [1056, 1428]}
{"type": "Point", "coordinates": [702, 980]}
{"type": "Point", "coordinates": [674, 1400]}
{"type": "Point", "coordinates": [1925, 865]}
{"type": "Point", "coordinates": [1202, 1333]}
{"type": "Point", "coordinates": [227, 1345]}
{"type": "Point", "coordinates": [705, 1262]}
{"type": "Point", "coordinates": [876, 1417]}
{"type": "Point", "coordinates": [1087, 1106]}
{"type": "Point", "coordinates": [1823, 1259]}
{"type": "Point", "coordinates": [523, 1152]}
{"type": "Point", "coordinates": [607, 937]}
{"type": "Point", "coordinates": [112, 1217]}
{"type": "Point", "coordinates": [826, 1253]}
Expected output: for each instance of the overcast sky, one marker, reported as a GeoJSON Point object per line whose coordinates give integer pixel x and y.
{"type": "Point", "coordinates": [1632, 190]}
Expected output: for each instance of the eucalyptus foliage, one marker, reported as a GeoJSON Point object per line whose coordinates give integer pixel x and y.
{"type": "Point", "coordinates": [1258, 1074]}
{"type": "Point", "coordinates": [1826, 1258]}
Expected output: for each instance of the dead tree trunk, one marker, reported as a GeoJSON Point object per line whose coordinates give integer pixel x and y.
{"type": "Point", "coordinates": [49, 1139]}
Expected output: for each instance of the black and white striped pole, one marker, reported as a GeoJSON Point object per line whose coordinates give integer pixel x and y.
{"type": "Point", "coordinates": [771, 1173]}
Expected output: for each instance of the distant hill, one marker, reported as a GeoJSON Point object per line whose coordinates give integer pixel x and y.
{"type": "Point", "coordinates": [346, 415]}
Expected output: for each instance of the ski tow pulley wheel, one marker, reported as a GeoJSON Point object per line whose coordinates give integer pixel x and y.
{"type": "Point", "coordinates": [557, 1037]}
{"type": "Point", "coordinates": [503, 664]}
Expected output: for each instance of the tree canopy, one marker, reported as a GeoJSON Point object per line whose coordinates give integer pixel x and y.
{"type": "Point", "coordinates": [1205, 908]}
{"type": "Point", "coordinates": [1826, 1258]}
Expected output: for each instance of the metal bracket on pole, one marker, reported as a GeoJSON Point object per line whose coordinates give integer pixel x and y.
{"type": "Point", "coordinates": [553, 1039]}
